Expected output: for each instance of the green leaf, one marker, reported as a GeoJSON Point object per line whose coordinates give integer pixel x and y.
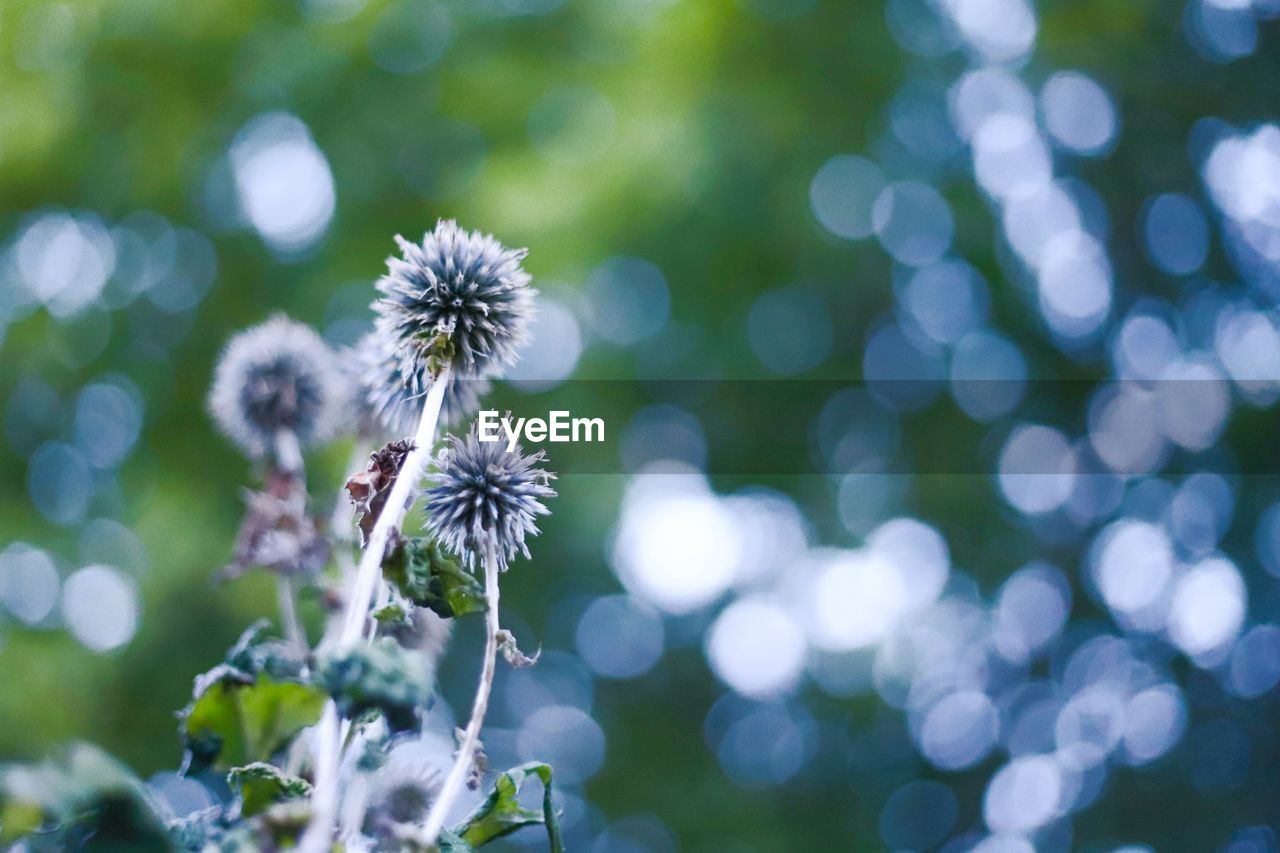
{"type": "Point", "coordinates": [382, 676]}
{"type": "Point", "coordinates": [278, 827]}
{"type": "Point", "coordinates": [501, 812]}
{"type": "Point", "coordinates": [451, 842]}
{"type": "Point", "coordinates": [392, 616]}
{"type": "Point", "coordinates": [251, 655]}
{"type": "Point", "coordinates": [247, 707]}
{"type": "Point", "coordinates": [85, 797]}
{"type": "Point", "coordinates": [19, 818]}
{"type": "Point", "coordinates": [424, 574]}
{"type": "Point", "coordinates": [201, 830]}
{"type": "Point", "coordinates": [260, 785]}
{"type": "Point", "coordinates": [233, 723]}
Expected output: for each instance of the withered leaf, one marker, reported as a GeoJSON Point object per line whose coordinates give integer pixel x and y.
{"type": "Point", "coordinates": [370, 488]}
{"type": "Point", "coordinates": [277, 534]}
{"type": "Point", "coordinates": [510, 651]}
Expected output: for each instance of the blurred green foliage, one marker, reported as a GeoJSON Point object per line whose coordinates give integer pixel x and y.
{"type": "Point", "coordinates": [717, 119]}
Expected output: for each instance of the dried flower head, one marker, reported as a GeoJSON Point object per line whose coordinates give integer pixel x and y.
{"type": "Point", "coordinates": [465, 285]}
{"type": "Point", "coordinates": [390, 391]}
{"type": "Point", "coordinates": [278, 534]}
{"type": "Point", "coordinates": [486, 496]}
{"type": "Point", "coordinates": [278, 376]}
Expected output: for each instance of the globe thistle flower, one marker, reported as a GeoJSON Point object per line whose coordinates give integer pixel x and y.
{"type": "Point", "coordinates": [389, 393]}
{"type": "Point", "coordinates": [276, 377]}
{"type": "Point", "coordinates": [462, 284]}
{"type": "Point", "coordinates": [403, 788]}
{"type": "Point", "coordinates": [486, 497]}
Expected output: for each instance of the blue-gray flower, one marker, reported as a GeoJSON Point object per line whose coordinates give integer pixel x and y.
{"type": "Point", "coordinates": [486, 497]}
{"type": "Point", "coordinates": [390, 392]}
{"type": "Point", "coordinates": [463, 284]}
{"type": "Point", "coordinates": [278, 376]}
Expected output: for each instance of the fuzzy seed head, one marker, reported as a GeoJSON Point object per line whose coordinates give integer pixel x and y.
{"type": "Point", "coordinates": [486, 497]}
{"type": "Point", "coordinates": [463, 284]}
{"type": "Point", "coordinates": [389, 393]}
{"type": "Point", "coordinates": [273, 377]}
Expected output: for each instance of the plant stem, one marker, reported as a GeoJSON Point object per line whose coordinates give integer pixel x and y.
{"type": "Point", "coordinates": [288, 452]}
{"type": "Point", "coordinates": [327, 746]}
{"type": "Point", "coordinates": [294, 633]}
{"type": "Point", "coordinates": [471, 735]}
{"type": "Point", "coordinates": [393, 512]}
{"type": "Point", "coordinates": [329, 734]}
{"type": "Point", "coordinates": [342, 532]}
{"type": "Point", "coordinates": [288, 457]}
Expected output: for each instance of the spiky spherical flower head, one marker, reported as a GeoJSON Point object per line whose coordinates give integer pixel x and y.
{"type": "Point", "coordinates": [403, 788]}
{"type": "Point", "coordinates": [278, 376]}
{"type": "Point", "coordinates": [463, 285]}
{"type": "Point", "coordinates": [390, 393]}
{"type": "Point", "coordinates": [486, 497]}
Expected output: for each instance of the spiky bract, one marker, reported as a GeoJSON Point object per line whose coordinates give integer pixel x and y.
{"type": "Point", "coordinates": [463, 284]}
{"type": "Point", "coordinates": [486, 497]}
{"type": "Point", "coordinates": [390, 392]}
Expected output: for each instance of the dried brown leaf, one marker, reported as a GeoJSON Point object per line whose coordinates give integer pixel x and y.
{"type": "Point", "coordinates": [369, 489]}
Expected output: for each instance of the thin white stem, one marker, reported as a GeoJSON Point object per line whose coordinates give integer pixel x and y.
{"type": "Point", "coordinates": [381, 598]}
{"type": "Point", "coordinates": [342, 532]}
{"type": "Point", "coordinates": [471, 735]}
{"type": "Point", "coordinates": [355, 800]}
{"type": "Point", "coordinates": [288, 457]}
{"type": "Point", "coordinates": [327, 746]}
{"type": "Point", "coordinates": [329, 734]}
{"type": "Point", "coordinates": [294, 633]}
{"type": "Point", "coordinates": [295, 759]}
{"type": "Point", "coordinates": [393, 512]}
{"type": "Point", "coordinates": [288, 452]}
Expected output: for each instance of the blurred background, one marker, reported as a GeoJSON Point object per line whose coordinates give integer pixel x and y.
{"type": "Point", "coordinates": [1001, 572]}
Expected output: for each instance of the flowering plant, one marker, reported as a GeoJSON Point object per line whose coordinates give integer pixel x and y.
{"type": "Point", "coordinates": [322, 743]}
